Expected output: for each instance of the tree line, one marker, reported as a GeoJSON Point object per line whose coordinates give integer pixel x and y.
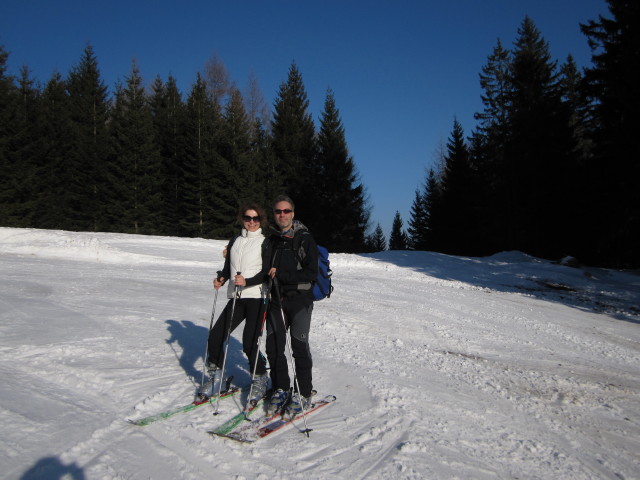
{"type": "Point", "coordinates": [550, 169]}
{"type": "Point", "coordinates": [150, 161]}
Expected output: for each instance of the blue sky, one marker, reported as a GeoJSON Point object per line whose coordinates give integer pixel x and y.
{"type": "Point", "coordinates": [400, 70]}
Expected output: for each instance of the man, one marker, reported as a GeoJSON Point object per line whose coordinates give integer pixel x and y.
{"type": "Point", "coordinates": [294, 266]}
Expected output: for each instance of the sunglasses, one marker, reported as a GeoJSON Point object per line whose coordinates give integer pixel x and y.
{"type": "Point", "coordinates": [247, 218]}
{"type": "Point", "coordinates": [286, 211]}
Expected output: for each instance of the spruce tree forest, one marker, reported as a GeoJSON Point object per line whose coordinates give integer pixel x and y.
{"type": "Point", "coordinates": [548, 169]}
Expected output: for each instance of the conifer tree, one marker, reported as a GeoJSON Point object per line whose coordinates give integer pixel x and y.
{"type": "Point", "coordinates": [293, 143]}
{"type": "Point", "coordinates": [238, 175]}
{"type": "Point", "coordinates": [540, 148]}
{"type": "Point", "coordinates": [419, 221]}
{"type": "Point", "coordinates": [55, 132]}
{"type": "Point", "coordinates": [612, 85]}
{"type": "Point", "coordinates": [89, 153]}
{"type": "Point", "coordinates": [376, 241]}
{"type": "Point", "coordinates": [262, 158]}
{"type": "Point", "coordinates": [488, 208]}
{"type": "Point", "coordinates": [9, 128]}
{"type": "Point", "coordinates": [8, 171]}
{"type": "Point", "coordinates": [433, 206]}
{"type": "Point", "coordinates": [458, 194]}
{"type": "Point", "coordinates": [168, 113]}
{"type": "Point", "coordinates": [570, 84]}
{"type": "Point", "coordinates": [488, 148]}
{"type": "Point", "coordinates": [494, 80]}
{"type": "Point", "coordinates": [336, 188]}
{"type": "Point", "coordinates": [201, 163]}
{"type": "Point", "coordinates": [398, 237]}
{"type": "Point", "coordinates": [24, 149]}
{"type": "Point", "coordinates": [263, 161]}
{"type": "Point", "coordinates": [134, 178]}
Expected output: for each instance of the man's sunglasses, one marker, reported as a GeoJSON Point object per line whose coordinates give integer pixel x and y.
{"type": "Point", "coordinates": [286, 211]}
{"type": "Point", "coordinates": [247, 218]}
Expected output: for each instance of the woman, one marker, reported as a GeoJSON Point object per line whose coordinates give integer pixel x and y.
{"type": "Point", "coordinates": [247, 257]}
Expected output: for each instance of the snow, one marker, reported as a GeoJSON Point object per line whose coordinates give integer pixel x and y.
{"type": "Point", "coordinates": [444, 367]}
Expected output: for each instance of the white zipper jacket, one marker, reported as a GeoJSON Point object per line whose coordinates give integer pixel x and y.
{"type": "Point", "coordinates": [246, 258]}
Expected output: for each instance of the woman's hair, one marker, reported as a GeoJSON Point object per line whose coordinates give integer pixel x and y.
{"type": "Point", "coordinates": [264, 220]}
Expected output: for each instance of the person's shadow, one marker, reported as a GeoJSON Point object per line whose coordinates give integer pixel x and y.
{"type": "Point", "coordinates": [192, 343]}
{"type": "Point", "coordinates": [51, 468]}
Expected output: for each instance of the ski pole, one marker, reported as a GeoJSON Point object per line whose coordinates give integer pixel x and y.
{"type": "Point", "coordinates": [236, 294]}
{"type": "Point", "coordinates": [265, 303]}
{"type": "Point", "coordinates": [206, 349]}
{"type": "Point", "coordinates": [293, 362]}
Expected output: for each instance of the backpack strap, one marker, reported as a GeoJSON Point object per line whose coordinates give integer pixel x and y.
{"type": "Point", "coordinates": [300, 254]}
{"type": "Point", "coordinates": [297, 248]}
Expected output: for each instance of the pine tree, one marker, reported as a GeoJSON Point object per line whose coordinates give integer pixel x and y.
{"type": "Point", "coordinates": [540, 150]}
{"type": "Point", "coordinates": [570, 84]}
{"type": "Point", "coordinates": [398, 237]}
{"type": "Point", "coordinates": [89, 153]}
{"type": "Point", "coordinates": [293, 143]}
{"type": "Point", "coordinates": [612, 85]}
{"type": "Point", "coordinates": [417, 225]}
{"type": "Point", "coordinates": [489, 190]}
{"type": "Point", "coordinates": [8, 112]}
{"type": "Point", "coordinates": [55, 131]}
{"type": "Point", "coordinates": [168, 113]}
{"type": "Point", "coordinates": [488, 150]}
{"type": "Point", "coordinates": [458, 194]}
{"type": "Point", "coordinates": [336, 188]}
{"type": "Point", "coordinates": [201, 163]}
{"type": "Point", "coordinates": [376, 242]}
{"type": "Point", "coordinates": [433, 207]}
{"type": "Point", "coordinates": [135, 206]}
{"type": "Point", "coordinates": [239, 176]}
{"type": "Point", "coordinates": [494, 80]}
{"type": "Point", "coordinates": [24, 149]}
{"type": "Point", "coordinates": [418, 231]}
{"type": "Point", "coordinates": [263, 160]}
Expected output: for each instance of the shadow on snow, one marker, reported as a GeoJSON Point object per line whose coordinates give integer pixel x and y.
{"type": "Point", "coordinates": [51, 468]}
{"type": "Point", "coordinates": [610, 292]}
{"type": "Point", "coordinates": [191, 341]}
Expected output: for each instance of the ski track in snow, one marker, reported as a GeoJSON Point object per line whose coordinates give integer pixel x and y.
{"type": "Point", "coordinates": [444, 367]}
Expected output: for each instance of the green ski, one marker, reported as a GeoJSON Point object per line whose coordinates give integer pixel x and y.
{"type": "Point", "coordinates": [185, 408]}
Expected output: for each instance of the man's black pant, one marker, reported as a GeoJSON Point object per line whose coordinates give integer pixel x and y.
{"type": "Point", "coordinates": [297, 316]}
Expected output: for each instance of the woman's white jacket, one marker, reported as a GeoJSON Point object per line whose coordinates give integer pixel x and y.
{"type": "Point", "coordinates": [245, 257]}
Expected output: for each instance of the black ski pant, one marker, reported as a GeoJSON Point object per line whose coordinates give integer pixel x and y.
{"type": "Point", "coordinates": [246, 308]}
{"type": "Point", "coordinates": [297, 316]}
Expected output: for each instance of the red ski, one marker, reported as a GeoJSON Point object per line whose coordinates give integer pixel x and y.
{"type": "Point", "coordinates": [266, 425]}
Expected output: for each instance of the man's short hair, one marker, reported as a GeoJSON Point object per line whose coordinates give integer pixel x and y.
{"type": "Point", "coordinates": [284, 198]}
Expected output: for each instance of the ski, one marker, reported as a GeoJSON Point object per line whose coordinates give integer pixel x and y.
{"type": "Point", "coordinates": [184, 408]}
{"type": "Point", "coordinates": [264, 426]}
{"type": "Point", "coordinates": [234, 421]}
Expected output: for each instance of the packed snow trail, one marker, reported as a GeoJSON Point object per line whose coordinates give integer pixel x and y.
{"type": "Point", "coordinates": [445, 367]}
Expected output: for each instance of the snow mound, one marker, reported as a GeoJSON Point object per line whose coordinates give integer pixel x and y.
{"type": "Point", "coordinates": [88, 246]}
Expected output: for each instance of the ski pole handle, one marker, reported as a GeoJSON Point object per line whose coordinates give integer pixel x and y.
{"type": "Point", "coordinates": [237, 286]}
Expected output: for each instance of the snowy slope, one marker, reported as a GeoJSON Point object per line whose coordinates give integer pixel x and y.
{"type": "Point", "coordinates": [444, 367]}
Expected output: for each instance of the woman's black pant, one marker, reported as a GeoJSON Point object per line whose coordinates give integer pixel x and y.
{"type": "Point", "coordinates": [249, 309]}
